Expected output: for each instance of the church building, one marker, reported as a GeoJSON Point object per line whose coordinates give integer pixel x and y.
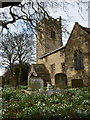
{"type": "Point", "coordinates": [67, 65]}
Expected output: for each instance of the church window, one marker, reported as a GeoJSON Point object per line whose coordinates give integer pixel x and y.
{"type": "Point", "coordinates": [52, 34]}
{"type": "Point", "coordinates": [63, 67]}
{"type": "Point", "coordinates": [79, 65]}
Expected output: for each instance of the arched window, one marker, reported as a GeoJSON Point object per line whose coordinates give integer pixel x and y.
{"type": "Point", "coordinates": [52, 34]}
{"type": "Point", "coordinates": [79, 65]}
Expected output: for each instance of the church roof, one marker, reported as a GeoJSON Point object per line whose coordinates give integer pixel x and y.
{"type": "Point", "coordinates": [81, 27]}
{"type": "Point", "coordinates": [40, 68]}
{"type": "Point", "coordinates": [84, 28]}
{"type": "Point", "coordinates": [40, 71]}
{"type": "Point", "coordinates": [54, 51]}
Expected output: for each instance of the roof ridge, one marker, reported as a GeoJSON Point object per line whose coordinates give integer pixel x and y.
{"type": "Point", "coordinates": [53, 51]}
{"type": "Point", "coordinates": [84, 28]}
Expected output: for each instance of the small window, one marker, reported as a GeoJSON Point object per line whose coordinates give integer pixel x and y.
{"type": "Point", "coordinates": [63, 67]}
{"type": "Point", "coordinates": [76, 83]}
{"type": "Point", "coordinates": [52, 34]}
{"type": "Point", "coordinates": [78, 56]}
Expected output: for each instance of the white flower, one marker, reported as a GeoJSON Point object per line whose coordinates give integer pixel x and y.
{"type": "Point", "coordinates": [43, 104]}
{"type": "Point", "coordinates": [53, 110]}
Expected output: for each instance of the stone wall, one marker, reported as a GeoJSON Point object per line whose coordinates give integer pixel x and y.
{"type": "Point", "coordinates": [56, 58]}
{"type": "Point", "coordinates": [77, 41]}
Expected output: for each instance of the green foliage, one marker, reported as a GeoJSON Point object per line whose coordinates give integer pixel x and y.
{"type": "Point", "coordinates": [70, 103]}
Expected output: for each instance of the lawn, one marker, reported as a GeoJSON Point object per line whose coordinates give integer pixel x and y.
{"type": "Point", "coordinates": [69, 103]}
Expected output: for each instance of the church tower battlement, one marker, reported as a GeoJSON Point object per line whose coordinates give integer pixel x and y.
{"type": "Point", "coordinates": [49, 36]}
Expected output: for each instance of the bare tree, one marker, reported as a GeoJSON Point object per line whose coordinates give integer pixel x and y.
{"type": "Point", "coordinates": [24, 49]}
{"type": "Point", "coordinates": [17, 49]}
{"type": "Point", "coordinates": [8, 53]}
{"type": "Point", "coordinates": [33, 11]}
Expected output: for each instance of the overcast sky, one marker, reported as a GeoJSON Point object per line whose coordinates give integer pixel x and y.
{"type": "Point", "coordinates": [73, 14]}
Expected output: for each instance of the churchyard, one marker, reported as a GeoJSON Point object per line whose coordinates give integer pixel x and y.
{"type": "Point", "coordinates": [73, 103]}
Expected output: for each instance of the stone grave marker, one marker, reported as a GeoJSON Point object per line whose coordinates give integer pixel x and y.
{"type": "Point", "coordinates": [57, 91]}
{"type": "Point", "coordinates": [49, 89]}
{"type": "Point", "coordinates": [36, 83]}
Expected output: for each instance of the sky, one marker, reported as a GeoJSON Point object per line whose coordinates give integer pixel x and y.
{"type": "Point", "coordinates": [2, 71]}
{"type": "Point", "coordinates": [72, 15]}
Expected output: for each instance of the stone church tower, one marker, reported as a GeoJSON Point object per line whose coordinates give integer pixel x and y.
{"type": "Point", "coordinates": [49, 36]}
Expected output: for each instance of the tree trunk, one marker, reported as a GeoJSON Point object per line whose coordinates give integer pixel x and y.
{"type": "Point", "coordinates": [20, 73]}
{"type": "Point", "coordinates": [11, 74]}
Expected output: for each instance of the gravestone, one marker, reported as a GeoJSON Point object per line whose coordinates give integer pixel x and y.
{"type": "Point", "coordinates": [36, 83]}
{"type": "Point", "coordinates": [57, 91]}
{"type": "Point", "coordinates": [49, 89]}
{"type": "Point", "coordinates": [77, 83]}
{"type": "Point", "coordinates": [61, 80]}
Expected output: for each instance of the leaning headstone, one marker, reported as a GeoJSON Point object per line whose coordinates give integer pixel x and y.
{"type": "Point", "coordinates": [36, 83]}
{"type": "Point", "coordinates": [49, 89]}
